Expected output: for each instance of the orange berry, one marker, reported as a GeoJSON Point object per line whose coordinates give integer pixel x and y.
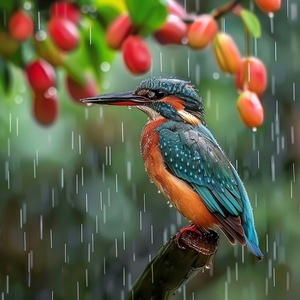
{"type": "Point", "coordinates": [251, 75]}
{"type": "Point", "coordinates": [268, 5]}
{"type": "Point", "coordinates": [118, 31]}
{"type": "Point", "coordinates": [226, 52]}
{"type": "Point", "coordinates": [202, 31]}
{"type": "Point", "coordinates": [136, 55]}
{"type": "Point", "coordinates": [172, 32]}
{"type": "Point", "coordinates": [250, 109]}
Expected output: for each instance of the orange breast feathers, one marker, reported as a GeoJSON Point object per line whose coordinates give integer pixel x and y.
{"type": "Point", "coordinates": [176, 190]}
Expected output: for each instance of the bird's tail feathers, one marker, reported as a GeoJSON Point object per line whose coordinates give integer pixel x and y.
{"type": "Point", "coordinates": [254, 248]}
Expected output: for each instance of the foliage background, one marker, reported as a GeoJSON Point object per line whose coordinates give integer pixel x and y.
{"type": "Point", "coordinates": [79, 218]}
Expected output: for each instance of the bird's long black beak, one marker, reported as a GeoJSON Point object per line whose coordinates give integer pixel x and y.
{"type": "Point", "coordinates": [128, 98]}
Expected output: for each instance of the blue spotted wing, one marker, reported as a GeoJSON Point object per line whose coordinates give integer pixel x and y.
{"type": "Point", "coordinates": [192, 154]}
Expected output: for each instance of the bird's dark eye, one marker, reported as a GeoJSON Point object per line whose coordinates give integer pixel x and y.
{"type": "Point", "coordinates": [156, 95]}
{"type": "Point", "coordinates": [152, 94]}
{"type": "Point", "coordinates": [159, 94]}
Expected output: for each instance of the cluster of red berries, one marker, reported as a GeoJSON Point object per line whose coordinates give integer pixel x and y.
{"type": "Point", "coordinates": [250, 72]}
{"type": "Point", "coordinates": [53, 44]}
{"type": "Point", "coordinates": [61, 35]}
{"type": "Point", "coordinates": [123, 35]}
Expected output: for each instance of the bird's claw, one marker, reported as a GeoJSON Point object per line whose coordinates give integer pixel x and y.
{"type": "Point", "coordinates": [205, 242]}
{"type": "Point", "coordinates": [187, 233]}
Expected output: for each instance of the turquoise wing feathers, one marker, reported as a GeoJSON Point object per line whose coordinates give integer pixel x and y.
{"type": "Point", "coordinates": [192, 154]}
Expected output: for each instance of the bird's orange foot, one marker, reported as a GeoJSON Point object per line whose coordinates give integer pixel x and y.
{"type": "Point", "coordinates": [185, 232]}
{"type": "Point", "coordinates": [191, 236]}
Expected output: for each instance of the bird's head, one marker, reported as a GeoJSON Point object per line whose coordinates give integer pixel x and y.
{"type": "Point", "coordinates": [170, 98]}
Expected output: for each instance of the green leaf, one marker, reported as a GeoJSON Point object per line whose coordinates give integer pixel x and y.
{"type": "Point", "coordinates": [23, 55]}
{"type": "Point", "coordinates": [6, 6]}
{"type": "Point", "coordinates": [95, 45]}
{"type": "Point", "coordinates": [148, 15]}
{"type": "Point", "coordinates": [251, 22]}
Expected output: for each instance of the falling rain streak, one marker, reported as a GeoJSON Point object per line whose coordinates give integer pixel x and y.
{"type": "Point", "coordinates": [78, 212]}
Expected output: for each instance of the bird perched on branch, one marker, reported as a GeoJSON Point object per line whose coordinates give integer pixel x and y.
{"type": "Point", "coordinates": [184, 160]}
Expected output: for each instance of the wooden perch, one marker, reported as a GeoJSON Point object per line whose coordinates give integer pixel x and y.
{"type": "Point", "coordinates": [174, 265]}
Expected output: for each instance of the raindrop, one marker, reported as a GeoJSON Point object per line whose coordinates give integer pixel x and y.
{"type": "Point", "coordinates": [124, 240]}
{"type": "Point", "coordinates": [52, 91]}
{"type": "Point", "coordinates": [27, 5]}
{"type": "Point", "coordinates": [41, 227]}
{"type": "Point", "coordinates": [77, 289]}
{"type": "Point", "coordinates": [41, 35]}
{"type": "Point", "coordinates": [116, 247]}
{"type": "Point", "coordinates": [216, 75]}
{"type": "Point", "coordinates": [51, 238]}
{"type": "Point", "coordinates": [25, 241]}
{"type": "Point", "coordinates": [122, 132]}
{"type": "Point", "coordinates": [128, 170]}
{"type": "Point", "coordinates": [89, 253]}
{"type": "Point", "coordinates": [7, 284]}
{"type": "Point", "coordinates": [271, 16]}
{"type": "Point", "coordinates": [254, 129]}
{"type": "Point", "coordinates": [81, 233]}
{"type": "Point", "coordinates": [86, 278]}
{"type": "Point", "coordinates": [105, 66]}
{"type": "Point", "coordinates": [141, 220]}
{"type": "Point", "coordinates": [19, 99]}
{"type": "Point", "coordinates": [39, 20]}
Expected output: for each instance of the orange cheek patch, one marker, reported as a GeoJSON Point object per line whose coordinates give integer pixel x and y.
{"type": "Point", "coordinates": [177, 103]}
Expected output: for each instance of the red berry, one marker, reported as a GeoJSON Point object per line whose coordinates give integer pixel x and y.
{"type": "Point", "coordinates": [136, 55]}
{"type": "Point", "coordinates": [250, 109]}
{"type": "Point", "coordinates": [227, 53]}
{"type": "Point", "coordinates": [64, 9]}
{"type": "Point", "coordinates": [202, 31]}
{"type": "Point", "coordinates": [45, 107]}
{"type": "Point", "coordinates": [64, 33]}
{"type": "Point", "coordinates": [172, 32]}
{"type": "Point", "coordinates": [80, 91]}
{"type": "Point", "coordinates": [118, 31]}
{"type": "Point", "coordinates": [176, 9]}
{"type": "Point", "coordinates": [251, 75]}
{"type": "Point", "coordinates": [41, 75]}
{"type": "Point", "coordinates": [268, 5]}
{"type": "Point", "coordinates": [20, 25]}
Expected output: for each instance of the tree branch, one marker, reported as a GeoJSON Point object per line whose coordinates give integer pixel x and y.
{"type": "Point", "coordinates": [218, 12]}
{"type": "Point", "coordinates": [174, 265]}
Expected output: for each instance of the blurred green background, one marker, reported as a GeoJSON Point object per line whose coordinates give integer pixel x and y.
{"type": "Point", "coordinates": [79, 218]}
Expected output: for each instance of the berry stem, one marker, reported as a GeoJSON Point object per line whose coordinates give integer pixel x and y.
{"type": "Point", "coordinates": [224, 9]}
{"type": "Point", "coordinates": [247, 42]}
{"type": "Point", "coordinates": [218, 12]}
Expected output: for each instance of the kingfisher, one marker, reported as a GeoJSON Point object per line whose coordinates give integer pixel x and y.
{"type": "Point", "coordinates": [185, 161]}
